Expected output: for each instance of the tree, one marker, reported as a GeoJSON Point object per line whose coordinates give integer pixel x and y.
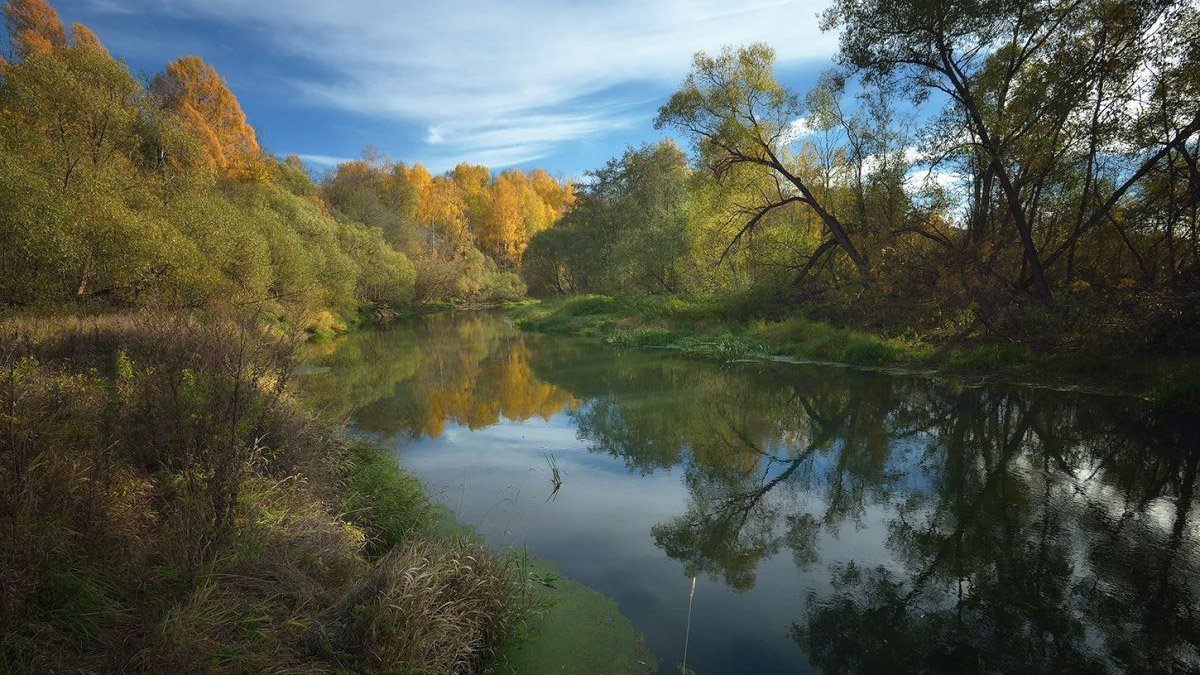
{"type": "Point", "coordinates": [1011, 73]}
{"type": "Point", "coordinates": [737, 115]}
{"type": "Point", "coordinates": [83, 38]}
{"type": "Point", "coordinates": [71, 133]}
{"type": "Point", "coordinates": [33, 26]}
{"type": "Point", "coordinates": [627, 230]}
{"type": "Point", "coordinates": [201, 98]}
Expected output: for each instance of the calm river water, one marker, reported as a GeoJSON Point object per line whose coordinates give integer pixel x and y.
{"type": "Point", "coordinates": [835, 520]}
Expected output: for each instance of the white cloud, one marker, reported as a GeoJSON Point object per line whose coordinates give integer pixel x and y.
{"type": "Point", "coordinates": [322, 160]}
{"type": "Point", "coordinates": [507, 80]}
{"type": "Point", "coordinates": [795, 131]}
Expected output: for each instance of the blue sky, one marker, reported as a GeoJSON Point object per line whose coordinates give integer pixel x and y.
{"type": "Point", "coordinates": [563, 85]}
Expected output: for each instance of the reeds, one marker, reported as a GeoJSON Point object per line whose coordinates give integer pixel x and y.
{"type": "Point", "coordinates": [555, 476]}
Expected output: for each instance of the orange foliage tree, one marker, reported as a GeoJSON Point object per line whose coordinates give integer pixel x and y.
{"type": "Point", "coordinates": [200, 96]}
{"type": "Point", "coordinates": [33, 26]}
{"type": "Point", "coordinates": [84, 38]}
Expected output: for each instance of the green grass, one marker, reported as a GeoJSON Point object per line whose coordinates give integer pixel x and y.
{"type": "Point", "coordinates": [388, 503]}
{"type": "Point", "coordinates": [704, 327]}
{"type": "Point", "coordinates": [750, 327]}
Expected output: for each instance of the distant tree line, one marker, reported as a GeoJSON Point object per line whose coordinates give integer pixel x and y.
{"type": "Point", "coordinates": [115, 190]}
{"type": "Point", "coordinates": [466, 230]}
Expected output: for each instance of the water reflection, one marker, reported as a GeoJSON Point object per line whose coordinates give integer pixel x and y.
{"type": "Point", "coordinates": [412, 380]}
{"type": "Point", "coordinates": [1018, 530]}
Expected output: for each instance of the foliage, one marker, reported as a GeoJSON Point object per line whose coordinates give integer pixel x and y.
{"type": "Point", "coordinates": [466, 230]}
{"type": "Point", "coordinates": [194, 90]}
{"type": "Point", "coordinates": [1046, 197]}
{"type": "Point", "coordinates": [625, 233]}
{"type": "Point", "coordinates": [116, 194]}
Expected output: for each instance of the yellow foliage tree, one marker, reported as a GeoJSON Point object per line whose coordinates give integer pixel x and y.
{"type": "Point", "coordinates": [501, 229]}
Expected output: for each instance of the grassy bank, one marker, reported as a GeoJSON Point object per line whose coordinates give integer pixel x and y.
{"type": "Point", "coordinates": [168, 507]}
{"type": "Point", "coordinates": [732, 329]}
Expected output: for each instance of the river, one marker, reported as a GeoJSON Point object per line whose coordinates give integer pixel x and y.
{"type": "Point", "coordinates": [834, 520]}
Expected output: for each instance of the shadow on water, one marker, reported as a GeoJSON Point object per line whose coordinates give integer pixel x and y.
{"type": "Point", "coordinates": [903, 524]}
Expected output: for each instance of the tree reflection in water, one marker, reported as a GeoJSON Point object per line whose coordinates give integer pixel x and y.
{"type": "Point", "coordinates": [1028, 531]}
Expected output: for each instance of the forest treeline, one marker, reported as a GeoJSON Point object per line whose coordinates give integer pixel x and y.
{"type": "Point", "coordinates": [119, 190]}
{"type": "Point", "coordinates": [1021, 170]}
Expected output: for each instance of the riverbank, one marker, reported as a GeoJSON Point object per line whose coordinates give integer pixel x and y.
{"type": "Point", "coordinates": [168, 506]}
{"type": "Point", "coordinates": [721, 330]}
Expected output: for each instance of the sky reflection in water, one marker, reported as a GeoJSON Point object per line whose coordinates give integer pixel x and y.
{"type": "Point", "coordinates": [839, 521]}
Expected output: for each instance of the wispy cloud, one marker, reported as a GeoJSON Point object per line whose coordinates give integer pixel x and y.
{"type": "Point", "coordinates": [322, 160]}
{"type": "Point", "coordinates": [506, 81]}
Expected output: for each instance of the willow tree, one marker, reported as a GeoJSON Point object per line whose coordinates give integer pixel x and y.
{"type": "Point", "coordinates": [1044, 106]}
{"type": "Point", "coordinates": [738, 115]}
{"type": "Point", "coordinates": [33, 26]}
{"type": "Point", "coordinates": [627, 231]}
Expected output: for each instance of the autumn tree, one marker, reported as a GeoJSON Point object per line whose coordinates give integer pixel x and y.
{"type": "Point", "coordinates": [83, 38]}
{"type": "Point", "coordinates": [103, 199]}
{"type": "Point", "coordinates": [200, 96]}
{"type": "Point", "coordinates": [33, 26]}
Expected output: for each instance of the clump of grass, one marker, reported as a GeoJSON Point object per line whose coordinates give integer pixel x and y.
{"type": "Point", "coordinates": [590, 305]}
{"type": "Point", "coordinates": [387, 502]}
{"type": "Point", "coordinates": [621, 337]}
{"type": "Point", "coordinates": [989, 357]}
{"type": "Point", "coordinates": [809, 339]}
{"type": "Point", "coordinates": [655, 337]}
{"type": "Point", "coordinates": [868, 353]}
{"type": "Point", "coordinates": [725, 347]}
{"type": "Point", "coordinates": [641, 337]}
{"type": "Point", "coordinates": [430, 608]}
